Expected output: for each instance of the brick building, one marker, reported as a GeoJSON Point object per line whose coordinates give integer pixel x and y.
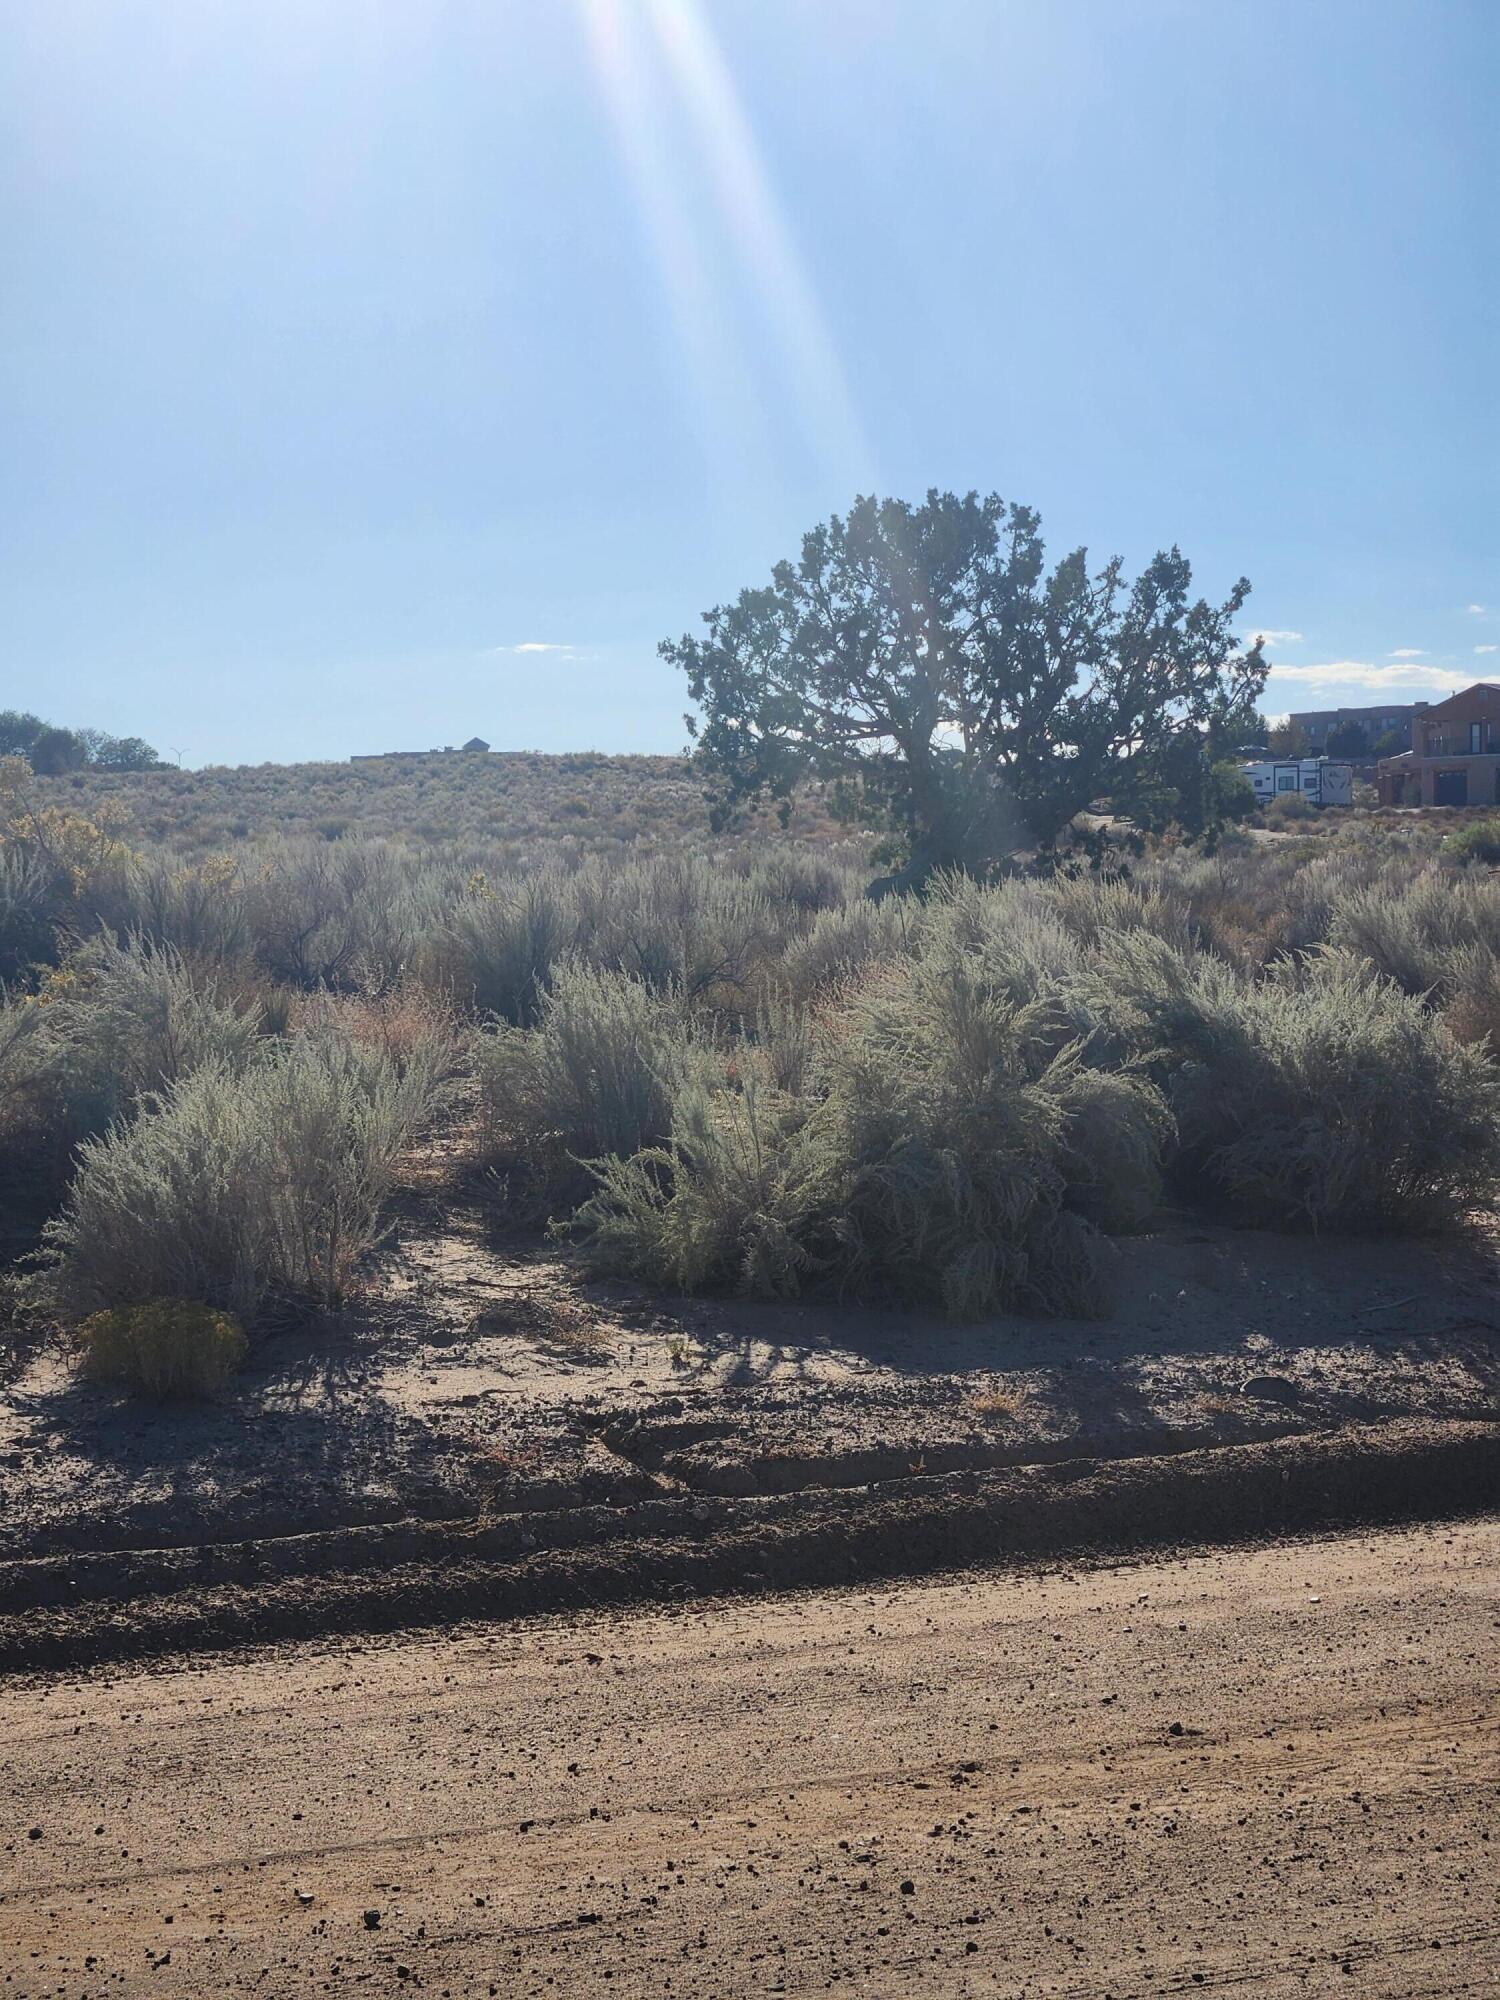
{"type": "Point", "coordinates": [1455, 755]}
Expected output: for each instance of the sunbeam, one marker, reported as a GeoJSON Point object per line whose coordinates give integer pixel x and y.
{"type": "Point", "coordinates": [751, 208]}
{"type": "Point", "coordinates": [718, 381]}
{"type": "Point", "coordinates": [729, 161]}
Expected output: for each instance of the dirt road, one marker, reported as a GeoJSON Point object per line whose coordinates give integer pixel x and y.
{"type": "Point", "coordinates": [1275, 1769]}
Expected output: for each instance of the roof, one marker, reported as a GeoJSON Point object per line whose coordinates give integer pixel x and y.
{"type": "Point", "coordinates": [1474, 687]}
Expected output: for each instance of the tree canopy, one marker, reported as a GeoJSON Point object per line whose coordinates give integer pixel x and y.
{"type": "Point", "coordinates": [925, 659]}
{"type": "Point", "coordinates": [1347, 739]}
{"type": "Point", "coordinates": [50, 750]}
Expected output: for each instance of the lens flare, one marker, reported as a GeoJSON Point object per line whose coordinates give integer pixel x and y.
{"type": "Point", "coordinates": [716, 376]}
{"type": "Point", "coordinates": [728, 157]}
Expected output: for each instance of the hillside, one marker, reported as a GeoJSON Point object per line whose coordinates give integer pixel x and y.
{"type": "Point", "coordinates": [603, 803]}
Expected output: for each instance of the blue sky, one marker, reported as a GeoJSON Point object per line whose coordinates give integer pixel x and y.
{"type": "Point", "coordinates": [376, 372]}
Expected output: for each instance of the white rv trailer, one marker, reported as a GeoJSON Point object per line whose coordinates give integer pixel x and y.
{"type": "Point", "coordinates": [1317, 779]}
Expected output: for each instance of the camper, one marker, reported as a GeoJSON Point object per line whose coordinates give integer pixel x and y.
{"type": "Point", "coordinates": [1317, 779]}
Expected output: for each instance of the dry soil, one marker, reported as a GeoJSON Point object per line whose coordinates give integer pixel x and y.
{"type": "Point", "coordinates": [1273, 1770]}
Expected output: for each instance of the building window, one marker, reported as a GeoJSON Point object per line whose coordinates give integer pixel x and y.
{"type": "Point", "coordinates": [1476, 738]}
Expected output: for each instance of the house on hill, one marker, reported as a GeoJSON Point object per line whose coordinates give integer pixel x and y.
{"type": "Point", "coordinates": [1454, 759]}
{"type": "Point", "coordinates": [476, 743]}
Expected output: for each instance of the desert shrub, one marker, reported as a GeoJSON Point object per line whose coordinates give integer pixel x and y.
{"type": "Point", "coordinates": [134, 1017]}
{"type": "Point", "coordinates": [162, 1348]}
{"type": "Point", "coordinates": [1088, 905]}
{"type": "Point", "coordinates": [842, 940]}
{"type": "Point", "coordinates": [795, 879]}
{"type": "Point", "coordinates": [973, 1145]}
{"type": "Point", "coordinates": [1410, 930]}
{"type": "Point", "coordinates": [504, 939]}
{"type": "Point", "coordinates": [782, 1046]}
{"type": "Point", "coordinates": [676, 922]}
{"type": "Point", "coordinates": [175, 1204]}
{"type": "Point", "coordinates": [1479, 841]}
{"type": "Point", "coordinates": [22, 1033]}
{"type": "Point", "coordinates": [330, 915]}
{"type": "Point", "coordinates": [27, 904]}
{"type": "Point", "coordinates": [1319, 1095]}
{"type": "Point", "coordinates": [596, 1076]}
{"type": "Point", "coordinates": [1289, 809]}
{"type": "Point", "coordinates": [229, 1185]}
{"type": "Point", "coordinates": [200, 909]}
{"type": "Point", "coordinates": [946, 1152]}
{"type": "Point", "coordinates": [339, 1116]}
{"type": "Point", "coordinates": [405, 1021]}
{"type": "Point", "coordinates": [1470, 991]}
{"type": "Point", "coordinates": [1436, 934]}
{"type": "Point", "coordinates": [734, 1199]}
{"type": "Point", "coordinates": [58, 867]}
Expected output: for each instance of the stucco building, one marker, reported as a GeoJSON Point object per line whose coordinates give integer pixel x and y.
{"type": "Point", "coordinates": [1454, 759]}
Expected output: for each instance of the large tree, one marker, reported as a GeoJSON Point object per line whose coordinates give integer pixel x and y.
{"type": "Point", "coordinates": [925, 659]}
{"type": "Point", "coordinates": [1347, 739]}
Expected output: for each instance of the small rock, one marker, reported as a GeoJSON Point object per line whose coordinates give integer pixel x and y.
{"type": "Point", "coordinates": [908, 1887]}
{"type": "Point", "coordinates": [372, 1920]}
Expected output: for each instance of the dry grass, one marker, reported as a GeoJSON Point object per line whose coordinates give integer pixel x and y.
{"type": "Point", "coordinates": [999, 1404]}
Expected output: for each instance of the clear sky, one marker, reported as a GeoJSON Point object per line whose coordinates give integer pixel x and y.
{"type": "Point", "coordinates": [378, 372]}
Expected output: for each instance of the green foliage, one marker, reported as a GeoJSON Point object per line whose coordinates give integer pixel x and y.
{"type": "Point", "coordinates": [734, 1199]}
{"type": "Point", "coordinates": [1319, 1095]}
{"type": "Point", "coordinates": [505, 939]}
{"type": "Point", "coordinates": [1348, 739]}
{"type": "Point", "coordinates": [1231, 795]}
{"type": "Point", "coordinates": [1289, 809]}
{"type": "Point", "coordinates": [162, 1348]}
{"type": "Point", "coordinates": [747, 1072]}
{"type": "Point", "coordinates": [1479, 841]}
{"type": "Point", "coordinates": [56, 750]}
{"type": "Point", "coordinates": [596, 1076]}
{"type": "Point", "coordinates": [19, 729]}
{"type": "Point", "coordinates": [923, 660]}
{"type": "Point", "coordinates": [947, 1146]}
{"type": "Point", "coordinates": [230, 1185]}
{"type": "Point", "coordinates": [131, 1017]}
{"type": "Point", "coordinates": [50, 751]}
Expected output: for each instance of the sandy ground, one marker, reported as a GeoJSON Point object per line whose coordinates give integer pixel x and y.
{"type": "Point", "coordinates": [1274, 1768]}
{"type": "Point", "coordinates": [481, 1374]}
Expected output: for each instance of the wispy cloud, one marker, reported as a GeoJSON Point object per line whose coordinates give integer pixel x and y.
{"type": "Point", "coordinates": [1409, 653]}
{"type": "Point", "coordinates": [1379, 677]}
{"type": "Point", "coordinates": [1487, 649]}
{"type": "Point", "coordinates": [541, 646]}
{"type": "Point", "coordinates": [1476, 610]}
{"type": "Point", "coordinates": [1282, 638]}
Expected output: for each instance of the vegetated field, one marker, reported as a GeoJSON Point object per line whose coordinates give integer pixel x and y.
{"type": "Point", "coordinates": [519, 803]}
{"type": "Point", "coordinates": [417, 1175]}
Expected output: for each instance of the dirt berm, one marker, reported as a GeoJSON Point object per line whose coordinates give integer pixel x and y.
{"type": "Point", "coordinates": [75, 1609]}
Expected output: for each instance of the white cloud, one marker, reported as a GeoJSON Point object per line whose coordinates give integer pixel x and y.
{"type": "Point", "coordinates": [1378, 678]}
{"type": "Point", "coordinates": [1409, 653]}
{"type": "Point", "coordinates": [1282, 638]}
{"type": "Point", "coordinates": [1477, 610]}
{"type": "Point", "coordinates": [535, 646]}
{"type": "Point", "coordinates": [1487, 649]}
